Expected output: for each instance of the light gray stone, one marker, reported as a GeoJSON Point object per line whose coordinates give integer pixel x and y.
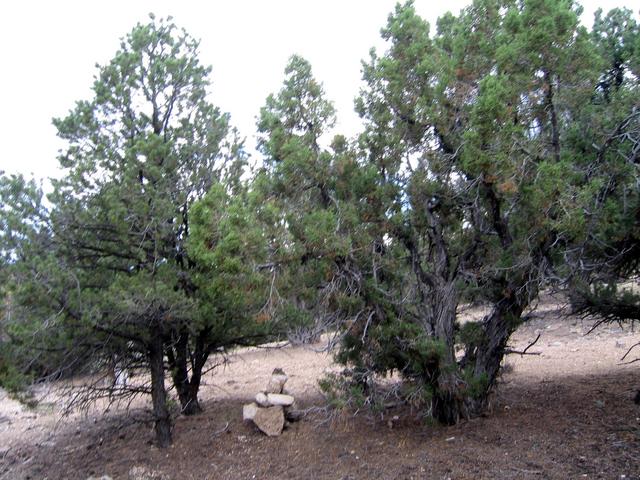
{"type": "Point", "coordinates": [277, 381]}
{"type": "Point", "coordinates": [262, 400]}
{"type": "Point", "coordinates": [144, 473]}
{"type": "Point", "coordinates": [280, 399]}
{"type": "Point", "coordinates": [270, 420]}
{"type": "Point", "coordinates": [249, 411]}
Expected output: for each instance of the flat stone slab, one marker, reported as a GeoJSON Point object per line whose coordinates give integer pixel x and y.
{"type": "Point", "coordinates": [280, 399]}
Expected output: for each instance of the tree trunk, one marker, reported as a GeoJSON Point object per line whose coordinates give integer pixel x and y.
{"type": "Point", "coordinates": [188, 388]}
{"type": "Point", "coordinates": [553, 116]}
{"type": "Point", "coordinates": [188, 396]}
{"type": "Point", "coordinates": [448, 402]}
{"type": "Point", "coordinates": [192, 405]}
{"type": "Point", "coordinates": [158, 393]}
{"type": "Point", "coordinates": [497, 327]}
{"type": "Point", "coordinates": [188, 391]}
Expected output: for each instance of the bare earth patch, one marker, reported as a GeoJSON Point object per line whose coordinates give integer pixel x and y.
{"type": "Point", "coordinates": [566, 413]}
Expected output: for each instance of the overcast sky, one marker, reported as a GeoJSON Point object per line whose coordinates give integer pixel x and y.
{"type": "Point", "coordinates": [49, 49]}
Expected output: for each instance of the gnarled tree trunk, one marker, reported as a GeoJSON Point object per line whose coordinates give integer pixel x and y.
{"type": "Point", "coordinates": [158, 393]}
{"type": "Point", "coordinates": [497, 328]}
{"type": "Point", "coordinates": [448, 402]}
{"type": "Point", "coordinates": [180, 359]}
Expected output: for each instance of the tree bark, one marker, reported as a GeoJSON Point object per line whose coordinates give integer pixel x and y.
{"type": "Point", "coordinates": [188, 396]}
{"type": "Point", "coordinates": [497, 327]}
{"type": "Point", "coordinates": [188, 388]}
{"type": "Point", "coordinates": [448, 402]}
{"type": "Point", "coordinates": [158, 393]}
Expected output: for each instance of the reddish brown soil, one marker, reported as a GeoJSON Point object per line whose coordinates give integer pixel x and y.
{"type": "Point", "coordinates": [567, 413]}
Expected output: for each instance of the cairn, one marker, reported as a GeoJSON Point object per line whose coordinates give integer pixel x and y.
{"type": "Point", "coordinates": [273, 407]}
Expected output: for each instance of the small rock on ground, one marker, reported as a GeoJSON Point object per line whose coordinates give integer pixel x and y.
{"type": "Point", "coordinates": [145, 473]}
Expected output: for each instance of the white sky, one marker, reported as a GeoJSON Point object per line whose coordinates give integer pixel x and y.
{"type": "Point", "coordinates": [49, 49]}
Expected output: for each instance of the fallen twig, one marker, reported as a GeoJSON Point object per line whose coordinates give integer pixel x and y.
{"type": "Point", "coordinates": [222, 430]}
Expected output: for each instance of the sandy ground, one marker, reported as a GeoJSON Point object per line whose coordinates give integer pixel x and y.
{"type": "Point", "coordinates": [566, 412]}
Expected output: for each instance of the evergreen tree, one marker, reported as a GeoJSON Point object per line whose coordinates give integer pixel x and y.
{"type": "Point", "coordinates": [606, 252]}
{"type": "Point", "coordinates": [298, 182]}
{"type": "Point", "coordinates": [124, 283]}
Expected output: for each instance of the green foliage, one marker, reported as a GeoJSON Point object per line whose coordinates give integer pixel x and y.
{"type": "Point", "coordinates": [608, 301]}
{"type": "Point", "coordinates": [405, 348]}
{"type": "Point", "coordinates": [341, 394]}
{"type": "Point", "coordinates": [29, 273]}
{"type": "Point", "coordinates": [309, 199]}
{"type": "Point", "coordinates": [227, 244]}
{"type": "Point", "coordinates": [476, 385]}
{"type": "Point", "coordinates": [617, 37]}
{"type": "Point", "coordinates": [470, 334]}
{"type": "Point", "coordinates": [139, 154]}
{"type": "Point", "coordinates": [606, 133]}
{"type": "Point", "coordinates": [12, 379]}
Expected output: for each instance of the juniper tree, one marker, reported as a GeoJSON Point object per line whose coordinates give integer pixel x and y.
{"type": "Point", "coordinates": [606, 252]}
{"type": "Point", "coordinates": [307, 186]}
{"type": "Point", "coordinates": [139, 155]}
{"type": "Point", "coordinates": [24, 234]}
{"type": "Point", "coordinates": [490, 135]}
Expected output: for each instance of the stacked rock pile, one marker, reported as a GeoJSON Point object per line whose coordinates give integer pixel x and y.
{"type": "Point", "coordinates": [273, 407]}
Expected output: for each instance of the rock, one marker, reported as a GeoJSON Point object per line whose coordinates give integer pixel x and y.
{"type": "Point", "coordinates": [103, 477]}
{"type": "Point", "coordinates": [262, 400]}
{"type": "Point", "coordinates": [270, 420]}
{"type": "Point", "coordinates": [280, 399]}
{"type": "Point", "coordinates": [249, 411]}
{"type": "Point", "coordinates": [144, 473]}
{"type": "Point", "coordinates": [277, 381]}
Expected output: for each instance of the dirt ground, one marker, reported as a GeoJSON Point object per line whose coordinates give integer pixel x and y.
{"type": "Point", "coordinates": [566, 413]}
